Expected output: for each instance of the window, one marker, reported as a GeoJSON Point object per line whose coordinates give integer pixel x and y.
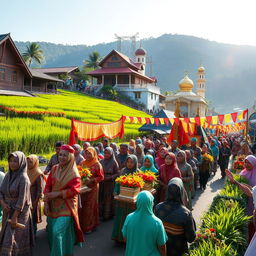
{"type": "Point", "coordinates": [138, 59]}
{"type": "Point", "coordinates": [14, 76]}
{"type": "Point", "coordinates": [2, 74]}
{"type": "Point", "coordinates": [114, 64]}
{"type": "Point", "coordinates": [152, 96]}
{"type": "Point", "coordinates": [142, 59]}
{"type": "Point", "coordinates": [155, 96]}
{"type": "Point", "coordinates": [114, 57]}
{"type": "Point", "coordinates": [137, 95]}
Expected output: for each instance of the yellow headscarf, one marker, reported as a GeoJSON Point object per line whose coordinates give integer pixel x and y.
{"type": "Point", "coordinates": [87, 163]}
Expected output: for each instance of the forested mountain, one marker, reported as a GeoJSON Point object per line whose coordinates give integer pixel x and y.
{"type": "Point", "coordinates": [230, 69]}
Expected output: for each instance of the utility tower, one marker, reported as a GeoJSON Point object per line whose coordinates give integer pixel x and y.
{"type": "Point", "coordinates": [132, 38]}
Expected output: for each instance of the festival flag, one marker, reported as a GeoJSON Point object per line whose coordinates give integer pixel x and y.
{"type": "Point", "coordinates": [227, 118]}
{"type": "Point", "coordinates": [162, 121]}
{"type": "Point", "coordinates": [234, 116]}
{"type": "Point", "coordinates": [177, 121]}
{"type": "Point", "coordinates": [221, 118]}
{"type": "Point", "coordinates": [131, 119]}
{"type": "Point", "coordinates": [139, 120]}
{"type": "Point", "coordinates": [209, 119]}
{"type": "Point", "coordinates": [156, 121]}
{"type": "Point", "coordinates": [197, 120]}
{"type": "Point", "coordinates": [166, 120]}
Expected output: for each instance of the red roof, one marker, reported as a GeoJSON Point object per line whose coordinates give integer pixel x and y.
{"type": "Point", "coordinates": [124, 57]}
{"type": "Point", "coordinates": [140, 51]}
{"type": "Point", "coordinates": [114, 71]}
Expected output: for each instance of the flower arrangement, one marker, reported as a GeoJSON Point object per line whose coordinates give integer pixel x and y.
{"type": "Point", "coordinates": [85, 173]}
{"type": "Point", "coordinates": [239, 163]}
{"type": "Point", "coordinates": [207, 233]}
{"type": "Point", "coordinates": [148, 176]}
{"type": "Point", "coordinates": [36, 114]}
{"type": "Point", "coordinates": [130, 181]}
{"type": "Point", "coordinates": [208, 157]}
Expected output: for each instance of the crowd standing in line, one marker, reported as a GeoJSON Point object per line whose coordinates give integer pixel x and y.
{"type": "Point", "coordinates": [165, 217]}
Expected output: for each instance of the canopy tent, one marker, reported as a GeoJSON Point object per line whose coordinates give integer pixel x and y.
{"type": "Point", "coordinates": [160, 128]}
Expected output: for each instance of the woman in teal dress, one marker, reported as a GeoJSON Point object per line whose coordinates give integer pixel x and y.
{"type": "Point", "coordinates": [148, 164]}
{"type": "Point", "coordinates": [61, 204]}
{"type": "Point", "coordinates": [143, 231]}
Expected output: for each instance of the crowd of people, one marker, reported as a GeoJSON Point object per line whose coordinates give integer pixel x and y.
{"type": "Point", "coordinates": [165, 217]}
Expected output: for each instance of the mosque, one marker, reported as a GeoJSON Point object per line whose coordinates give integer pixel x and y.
{"type": "Point", "coordinates": [189, 103]}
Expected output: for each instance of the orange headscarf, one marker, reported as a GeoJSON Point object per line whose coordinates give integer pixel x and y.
{"type": "Point", "coordinates": [87, 163]}
{"type": "Point", "coordinates": [35, 171]}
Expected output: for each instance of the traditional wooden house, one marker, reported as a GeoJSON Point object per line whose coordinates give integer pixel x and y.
{"type": "Point", "coordinates": [15, 75]}
{"type": "Point", "coordinates": [128, 76]}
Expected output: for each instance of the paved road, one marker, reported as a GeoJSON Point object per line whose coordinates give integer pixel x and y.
{"type": "Point", "coordinates": [99, 243]}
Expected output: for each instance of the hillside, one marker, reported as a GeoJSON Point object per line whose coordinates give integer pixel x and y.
{"type": "Point", "coordinates": [230, 68]}
{"type": "Point", "coordinates": [36, 133]}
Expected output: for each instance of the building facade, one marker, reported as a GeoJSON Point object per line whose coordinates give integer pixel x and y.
{"type": "Point", "coordinates": [15, 75]}
{"type": "Point", "coordinates": [190, 104]}
{"type": "Point", "coordinates": [128, 77]}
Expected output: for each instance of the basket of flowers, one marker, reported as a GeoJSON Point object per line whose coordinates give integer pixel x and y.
{"type": "Point", "coordinates": [208, 158]}
{"type": "Point", "coordinates": [150, 179]}
{"type": "Point", "coordinates": [85, 174]}
{"type": "Point", "coordinates": [239, 163]}
{"type": "Point", "coordinates": [130, 185]}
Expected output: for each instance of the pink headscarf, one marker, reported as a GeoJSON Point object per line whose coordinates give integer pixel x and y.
{"type": "Point", "coordinates": [250, 175]}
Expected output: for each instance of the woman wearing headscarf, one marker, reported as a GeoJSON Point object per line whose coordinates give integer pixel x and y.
{"type": "Point", "coordinates": [161, 156]}
{"type": "Point", "coordinates": [215, 153]}
{"type": "Point", "coordinates": [245, 149]}
{"type": "Point", "coordinates": [36, 178]}
{"type": "Point", "coordinates": [61, 204]}
{"type": "Point", "coordinates": [131, 165]}
{"type": "Point", "coordinates": [225, 153]}
{"type": "Point", "coordinates": [250, 174]}
{"type": "Point", "coordinates": [122, 209]}
{"type": "Point", "coordinates": [151, 238]}
{"type": "Point", "coordinates": [252, 246]}
{"type": "Point", "coordinates": [89, 213]}
{"type": "Point", "coordinates": [115, 149]}
{"type": "Point", "coordinates": [15, 200]}
{"type": "Point", "coordinates": [167, 171]}
{"type": "Point", "coordinates": [177, 219]}
{"type": "Point", "coordinates": [187, 175]}
{"type": "Point", "coordinates": [101, 148]}
{"type": "Point", "coordinates": [140, 154]}
{"type": "Point", "coordinates": [78, 156]}
{"type": "Point", "coordinates": [132, 143]}
{"type": "Point", "coordinates": [148, 164]}
{"type": "Point", "coordinates": [122, 156]}
{"type": "Point", "coordinates": [111, 171]}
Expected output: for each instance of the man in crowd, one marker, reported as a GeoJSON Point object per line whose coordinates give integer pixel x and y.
{"type": "Point", "coordinates": [55, 158]}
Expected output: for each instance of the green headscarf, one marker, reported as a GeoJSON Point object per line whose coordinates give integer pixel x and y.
{"type": "Point", "coordinates": [144, 203]}
{"type": "Point", "coordinates": [152, 168]}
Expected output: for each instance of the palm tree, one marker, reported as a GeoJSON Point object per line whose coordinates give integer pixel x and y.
{"type": "Point", "coordinates": [33, 53]}
{"type": "Point", "coordinates": [93, 61]}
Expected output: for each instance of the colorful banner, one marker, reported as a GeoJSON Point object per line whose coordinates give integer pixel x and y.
{"type": "Point", "coordinates": [205, 122]}
{"type": "Point", "coordinates": [92, 131]}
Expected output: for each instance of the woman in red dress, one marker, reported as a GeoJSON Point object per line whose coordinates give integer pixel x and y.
{"type": "Point", "coordinates": [89, 213]}
{"type": "Point", "coordinates": [167, 171]}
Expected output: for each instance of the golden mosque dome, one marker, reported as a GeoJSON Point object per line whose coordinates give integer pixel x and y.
{"type": "Point", "coordinates": [186, 84]}
{"type": "Point", "coordinates": [201, 69]}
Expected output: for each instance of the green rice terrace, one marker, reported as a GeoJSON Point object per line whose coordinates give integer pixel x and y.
{"type": "Point", "coordinates": [34, 124]}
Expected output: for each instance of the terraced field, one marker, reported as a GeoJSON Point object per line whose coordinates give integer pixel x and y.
{"type": "Point", "coordinates": [38, 133]}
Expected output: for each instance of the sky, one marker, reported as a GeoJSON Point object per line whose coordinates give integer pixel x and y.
{"type": "Point", "coordinates": [96, 21]}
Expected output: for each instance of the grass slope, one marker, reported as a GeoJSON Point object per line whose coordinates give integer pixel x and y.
{"type": "Point", "coordinates": [38, 136]}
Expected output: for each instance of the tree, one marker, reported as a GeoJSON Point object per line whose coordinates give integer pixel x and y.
{"type": "Point", "coordinates": [93, 61]}
{"type": "Point", "coordinates": [33, 53]}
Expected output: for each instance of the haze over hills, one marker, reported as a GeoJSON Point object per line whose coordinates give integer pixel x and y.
{"type": "Point", "coordinates": [230, 69]}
